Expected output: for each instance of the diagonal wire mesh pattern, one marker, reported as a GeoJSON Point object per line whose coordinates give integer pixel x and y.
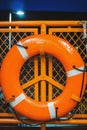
{"type": "Point", "coordinates": [76, 39]}
{"type": "Point", "coordinates": [3, 46]}
{"type": "Point", "coordinates": [58, 75]}
{"type": "Point", "coordinates": [27, 73]}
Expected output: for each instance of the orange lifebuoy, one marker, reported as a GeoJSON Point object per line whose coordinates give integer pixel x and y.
{"type": "Point", "coordinates": [10, 72]}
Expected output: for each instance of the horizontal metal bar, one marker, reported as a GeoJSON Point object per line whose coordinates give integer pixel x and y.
{"type": "Point", "coordinates": [8, 118]}
{"type": "Point", "coordinates": [38, 23]}
{"type": "Point", "coordinates": [7, 115]}
{"type": "Point", "coordinates": [73, 121]}
{"type": "Point", "coordinates": [80, 116]}
{"type": "Point", "coordinates": [19, 30]}
{"type": "Point", "coordinates": [51, 30]}
{"type": "Point", "coordinates": [15, 121]}
{"type": "Point", "coordinates": [9, 121]}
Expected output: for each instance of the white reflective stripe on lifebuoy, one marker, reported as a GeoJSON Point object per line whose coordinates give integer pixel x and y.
{"type": "Point", "coordinates": [17, 100]}
{"type": "Point", "coordinates": [22, 51]}
{"type": "Point", "coordinates": [52, 110]}
{"type": "Point", "coordinates": [75, 72]}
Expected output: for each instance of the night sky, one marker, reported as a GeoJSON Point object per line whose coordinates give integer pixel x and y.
{"type": "Point", "coordinates": [44, 9]}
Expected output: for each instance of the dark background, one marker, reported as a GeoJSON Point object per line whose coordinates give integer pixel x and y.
{"type": "Point", "coordinates": [45, 5]}
{"type": "Point", "coordinates": [48, 128]}
{"type": "Point", "coordinates": [44, 15]}
{"type": "Point", "coordinates": [44, 9]}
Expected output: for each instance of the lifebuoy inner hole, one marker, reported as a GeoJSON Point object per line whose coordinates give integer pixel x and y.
{"type": "Point", "coordinates": [53, 69]}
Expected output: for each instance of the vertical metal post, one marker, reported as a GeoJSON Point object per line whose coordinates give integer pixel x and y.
{"type": "Point", "coordinates": [43, 127]}
{"type": "Point", "coordinates": [36, 75]}
{"type": "Point", "coordinates": [84, 30]}
{"type": "Point", "coordinates": [43, 67]}
{"type": "Point", "coordinates": [85, 37]}
{"type": "Point", "coordinates": [85, 33]}
{"type": "Point", "coordinates": [50, 75]}
{"type": "Point", "coordinates": [43, 72]}
{"type": "Point", "coordinates": [10, 20]}
{"type": "Point", "coordinates": [43, 83]}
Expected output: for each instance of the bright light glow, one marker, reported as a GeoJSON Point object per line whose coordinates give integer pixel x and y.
{"type": "Point", "coordinates": [20, 12]}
